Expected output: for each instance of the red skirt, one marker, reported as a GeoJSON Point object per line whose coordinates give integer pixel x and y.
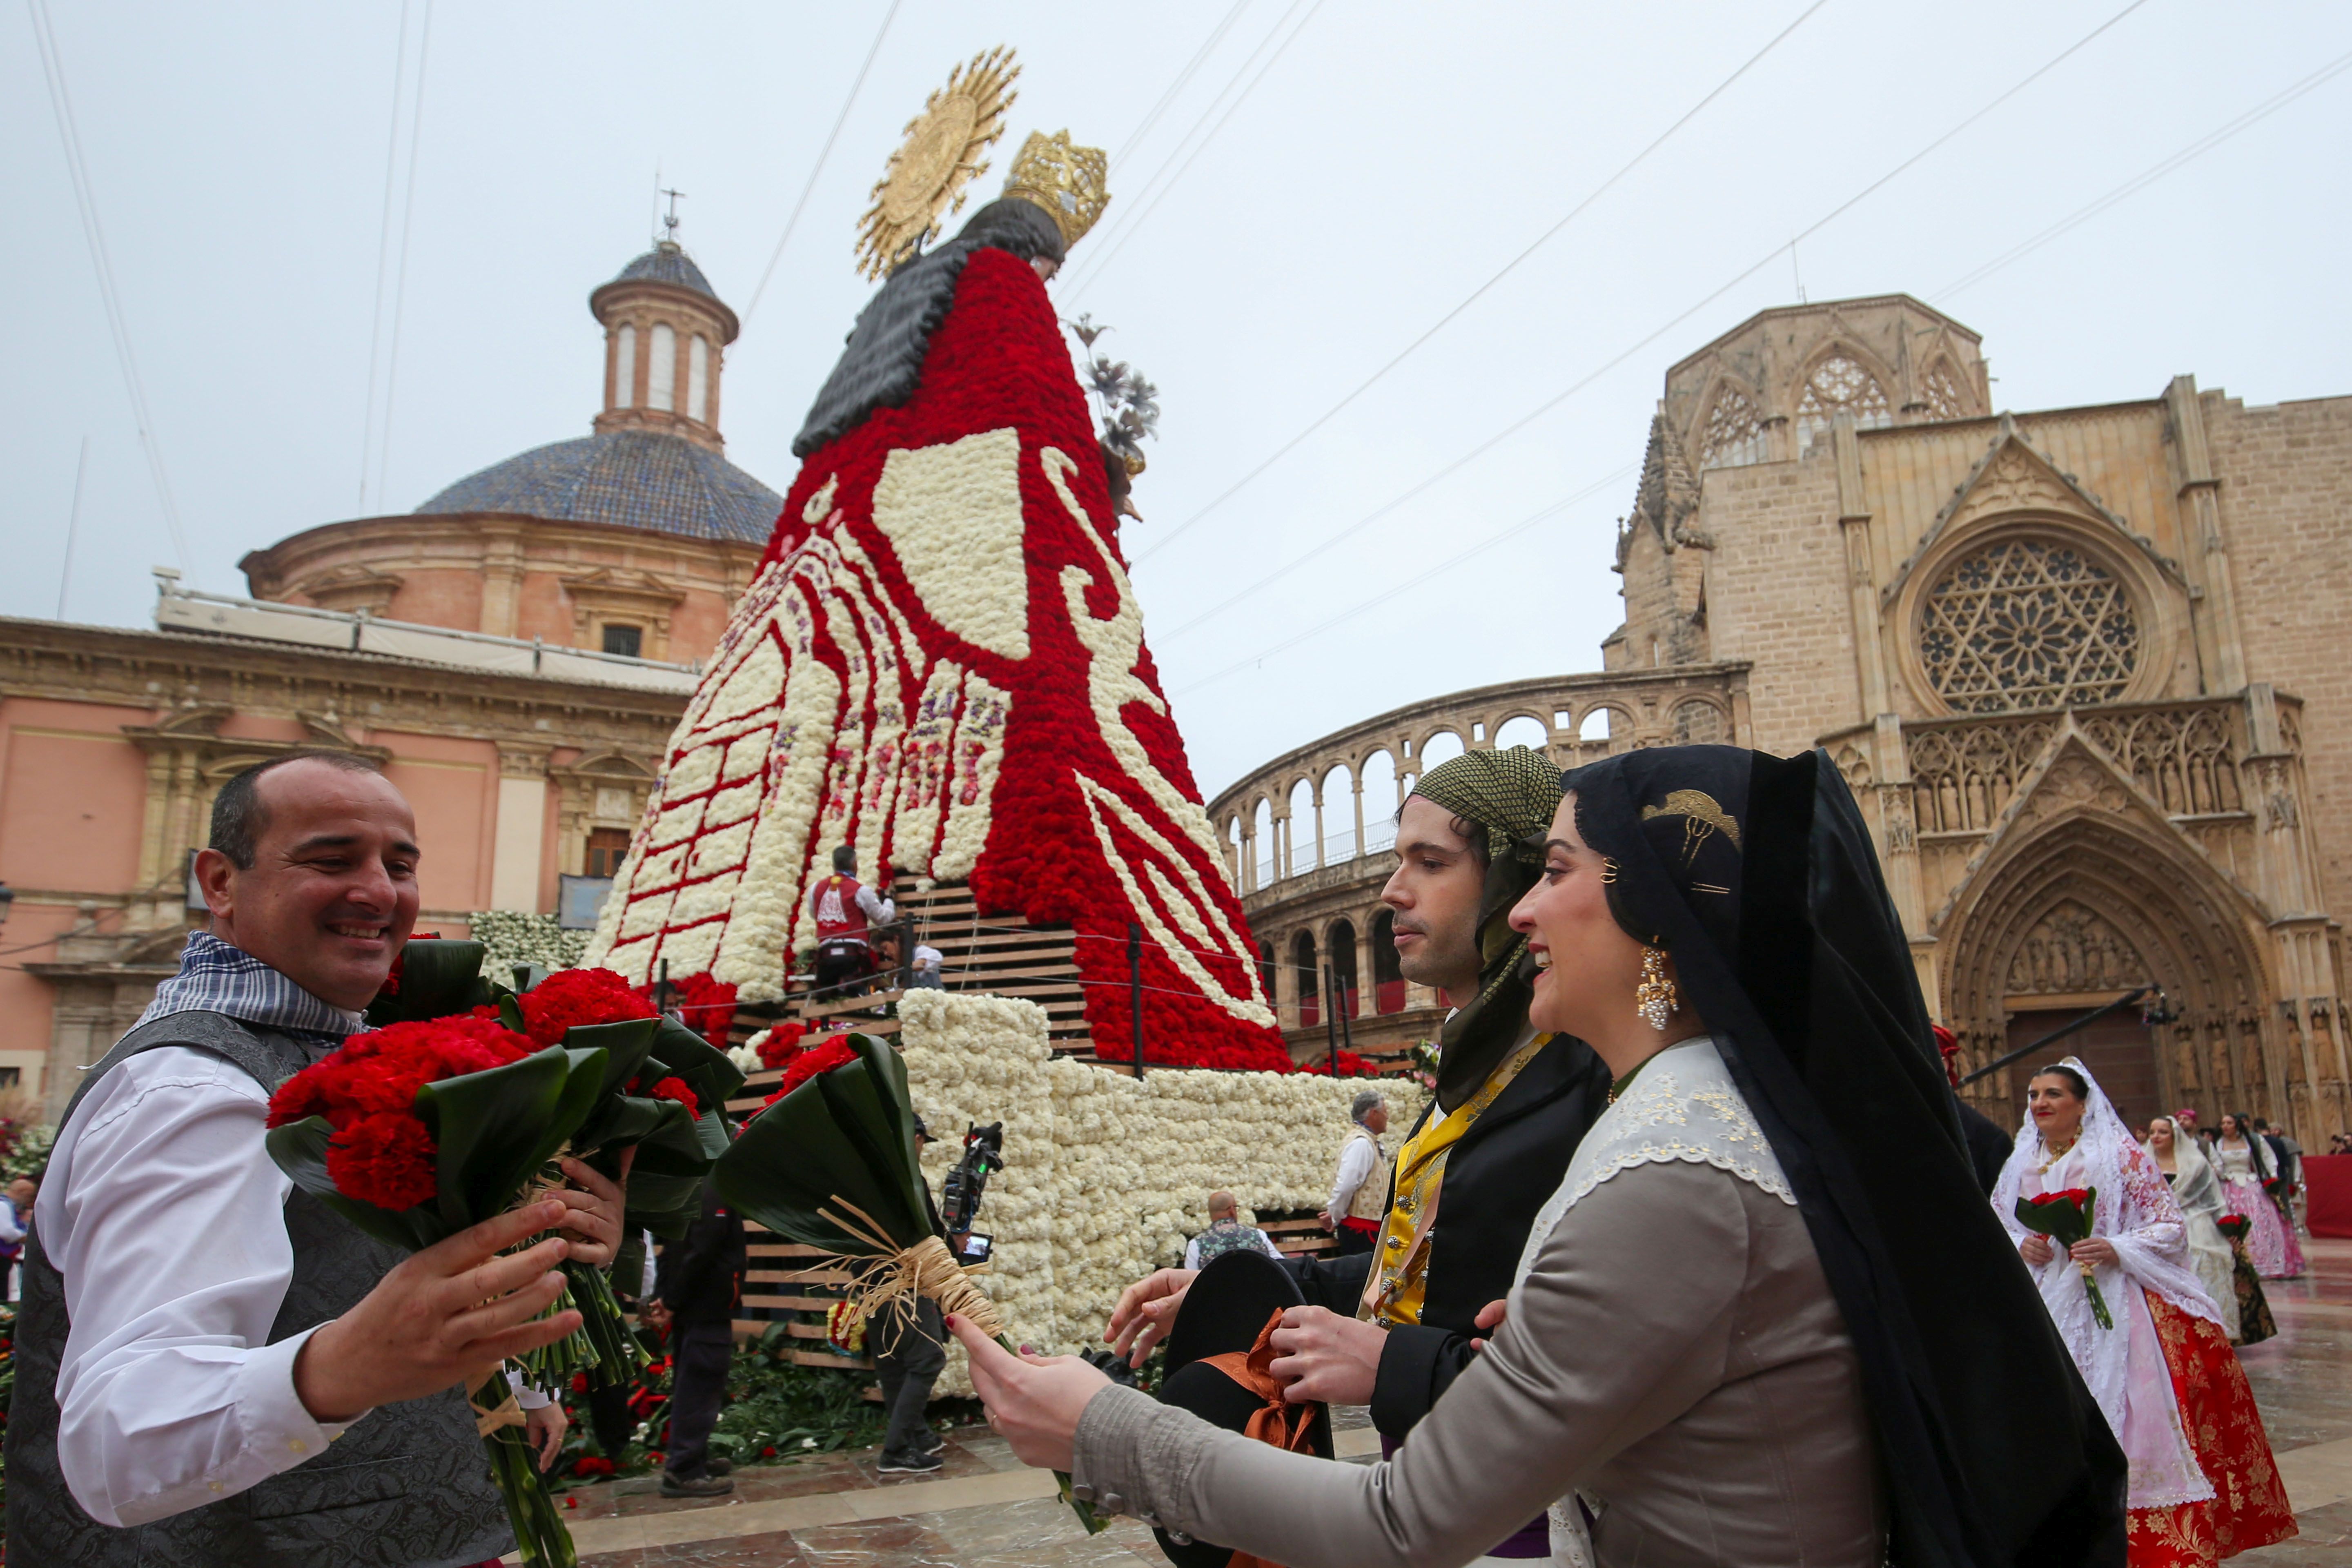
{"type": "Point", "coordinates": [2249, 1506]}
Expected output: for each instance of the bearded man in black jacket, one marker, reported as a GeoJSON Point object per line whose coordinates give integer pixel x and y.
{"type": "Point", "coordinates": [1393, 1328]}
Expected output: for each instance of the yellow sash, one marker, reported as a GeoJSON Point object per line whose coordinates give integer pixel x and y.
{"type": "Point", "coordinates": [1393, 1294]}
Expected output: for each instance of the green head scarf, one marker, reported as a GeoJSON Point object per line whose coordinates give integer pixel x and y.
{"type": "Point", "coordinates": [1511, 793]}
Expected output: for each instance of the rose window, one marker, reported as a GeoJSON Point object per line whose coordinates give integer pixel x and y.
{"type": "Point", "coordinates": [2027, 624]}
{"type": "Point", "coordinates": [1840, 385]}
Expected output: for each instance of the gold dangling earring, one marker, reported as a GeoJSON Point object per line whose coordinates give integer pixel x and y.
{"type": "Point", "coordinates": [1654, 999]}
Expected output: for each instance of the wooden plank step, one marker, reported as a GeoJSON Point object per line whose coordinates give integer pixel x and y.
{"type": "Point", "coordinates": [794, 1304]}
{"type": "Point", "coordinates": [867, 1003]}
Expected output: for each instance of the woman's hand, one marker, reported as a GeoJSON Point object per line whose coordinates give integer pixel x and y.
{"type": "Point", "coordinates": [1145, 1311]}
{"type": "Point", "coordinates": [593, 1207]}
{"type": "Point", "coordinates": [2036, 1250]}
{"type": "Point", "coordinates": [2094, 1250]}
{"type": "Point", "coordinates": [1489, 1318]}
{"type": "Point", "coordinates": [545, 1427]}
{"type": "Point", "coordinates": [1034, 1402]}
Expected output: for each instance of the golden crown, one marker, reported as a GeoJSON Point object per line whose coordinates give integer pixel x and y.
{"type": "Point", "coordinates": [1068, 182]}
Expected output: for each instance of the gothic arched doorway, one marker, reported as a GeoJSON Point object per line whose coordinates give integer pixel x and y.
{"type": "Point", "coordinates": [2081, 911]}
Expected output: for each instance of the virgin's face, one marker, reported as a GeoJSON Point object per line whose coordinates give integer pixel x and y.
{"type": "Point", "coordinates": [2057, 1113]}
{"type": "Point", "coordinates": [1587, 965]}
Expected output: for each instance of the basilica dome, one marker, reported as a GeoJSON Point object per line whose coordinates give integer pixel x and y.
{"type": "Point", "coordinates": [634, 538]}
{"type": "Point", "coordinates": [637, 479]}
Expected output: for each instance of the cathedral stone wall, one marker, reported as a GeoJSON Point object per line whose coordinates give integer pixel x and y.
{"type": "Point", "coordinates": [2285, 499]}
{"type": "Point", "coordinates": [1776, 595]}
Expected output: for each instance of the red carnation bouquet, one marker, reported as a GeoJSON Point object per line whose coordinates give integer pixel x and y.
{"type": "Point", "coordinates": [2234, 1225]}
{"type": "Point", "coordinates": [655, 1122]}
{"type": "Point", "coordinates": [418, 1129]}
{"type": "Point", "coordinates": [2064, 1217]}
{"type": "Point", "coordinates": [778, 1045]}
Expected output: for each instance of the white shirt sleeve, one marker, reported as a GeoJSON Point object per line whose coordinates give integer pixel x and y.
{"type": "Point", "coordinates": [1193, 1253]}
{"type": "Point", "coordinates": [1355, 1164]}
{"type": "Point", "coordinates": [878, 910]}
{"type": "Point", "coordinates": [164, 1216]}
{"type": "Point", "coordinates": [11, 1230]}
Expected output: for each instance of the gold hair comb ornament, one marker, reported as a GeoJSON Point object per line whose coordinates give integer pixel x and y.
{"type": "Point", "coordinates": [1702, 819]}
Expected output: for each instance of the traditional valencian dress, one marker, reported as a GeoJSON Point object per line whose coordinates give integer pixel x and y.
{"type": "Point", "coordinates": [1717, 1352]}
{"type": "Point", "coordinates": [2203, 1486]}
{"type": "Point", "coordinates": [2270, 1240]}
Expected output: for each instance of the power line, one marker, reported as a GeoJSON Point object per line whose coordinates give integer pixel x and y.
{"type": "Point", "coordinates": [1102, 258]}
{"type": "Point", "coordinates": [407, 232]}
{"type": "Point", "coordinates": [73, 523]}
{"type": "Point", "coordinates": [1766, 260]}
{"type": "Point", "coordinates": [1479, 293]}
{"type": "Point", "coordinates": [1420, 579]}
{"type": "Point", "coordinates": [53, 69]}
{"type": "Point", "coordinates": [383, 245]}
{"type": "Point", "coordinates": [825, 153]}
{"type": "Point", "coordinates": [1216, 37]}
{"type": "Point", "coordinates": [2148, 176]}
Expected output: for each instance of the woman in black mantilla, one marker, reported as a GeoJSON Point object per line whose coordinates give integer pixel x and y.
{"type": "Point", "coordinates": [1818, 1347]}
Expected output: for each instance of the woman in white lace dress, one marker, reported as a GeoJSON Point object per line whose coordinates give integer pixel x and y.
{"type": "Point", "coordinates": [2203, 1486]}
{"type": "Point", "coordinates": [2197, 1190]}
{"type": "Point", "coordinates": [1750, 1330]}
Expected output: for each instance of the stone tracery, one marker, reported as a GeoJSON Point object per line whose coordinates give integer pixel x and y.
{"type": "Point", "coordinates": [2028, 623]}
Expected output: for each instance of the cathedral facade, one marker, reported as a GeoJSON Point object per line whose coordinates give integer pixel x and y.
{"type": "Point", "coordinates": [2079, 665]}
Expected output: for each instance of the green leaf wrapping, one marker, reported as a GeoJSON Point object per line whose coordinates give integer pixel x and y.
{"type": "Point", "coordinates": [493, 1130]}
{"type": "Point", "coordinates": [300, 1149]}
{"type": "Point", "coordinates": [436, 978]}
{"type": "Point", "coordinates": [844, 1136]}
{"type": "Point", "coordinates": [709, 1071]}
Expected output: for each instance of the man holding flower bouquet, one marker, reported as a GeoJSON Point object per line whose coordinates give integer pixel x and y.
{"type": "Point", "coordinates": [214, 1366]}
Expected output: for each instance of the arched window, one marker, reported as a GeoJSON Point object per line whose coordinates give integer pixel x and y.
{"type": "Point", "coordinates": [1442, 747]}
{"type": "Point", "coordinates": [661, 369]}
{"type": "Point", "coordinates": [1597, 724]}
{"type": "Point", "coordinates": [1338, 816]}
{"type": "Point", "coordinates": [2028, 623]}
{"type": "Point", "coordinates": [1265, 967]}
{"type": "Point", "coordinates": [625, 369]}
{"type": "Point", "coordinates": [1305, 851]}
{"type": "Point", "coordinates": [1944, 398]}
{"type": "Point", "coordinates": [1308, 979]}
{"type": "Point", "coordinates": [1734, 435]}
{"type": "Point", "coordinates": [1699, 723]}
{"type": "Point", "coordinates": [1343, 967]}
{"type": "Point", "coordinates": [1524, 731]}
{"type": "Point", "coordinates": [1262, 836]}
{"type": "Point", "coordinates": [1387, 979]}
{"type": "Point", "coordinates": [1840, 385]}
{"type": "Point", "coordinates": [697, 378]}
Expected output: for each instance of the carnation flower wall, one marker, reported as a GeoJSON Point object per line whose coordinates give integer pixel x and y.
{"type": "Point", "coordinates": [1105, 1177]}
{"type": "Point", "coordinates": [941, 662]}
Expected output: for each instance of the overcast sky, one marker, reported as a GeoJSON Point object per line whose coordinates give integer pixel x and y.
{"type": "Point", "coordinates": [1337, 178]}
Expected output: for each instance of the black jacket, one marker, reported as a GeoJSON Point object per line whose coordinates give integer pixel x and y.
{"type": "Point", "coordinates": [1496, 1177]}
{"type": "Point", "coordinates": [698, 1277]}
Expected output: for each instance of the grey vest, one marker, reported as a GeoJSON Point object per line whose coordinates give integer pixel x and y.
{"type": "Point", "coordinates": [408, 1485]}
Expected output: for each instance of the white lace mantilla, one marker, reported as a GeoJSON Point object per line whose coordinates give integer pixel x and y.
{"type": "Point", "coordinates": [1682, 1106]}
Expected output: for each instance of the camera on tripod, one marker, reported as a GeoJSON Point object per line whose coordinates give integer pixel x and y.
{"type": "Point", "coordinates": [983, 1156]}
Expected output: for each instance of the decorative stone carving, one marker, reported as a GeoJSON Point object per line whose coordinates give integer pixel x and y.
{"type": "Point", "coordinates": [2071, 948]}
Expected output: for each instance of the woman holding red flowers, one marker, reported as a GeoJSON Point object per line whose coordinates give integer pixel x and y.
{"type": "Point", "coordinates": [2244, 1162]}
{"type": "Point", "coordinates": [2203, 1484]}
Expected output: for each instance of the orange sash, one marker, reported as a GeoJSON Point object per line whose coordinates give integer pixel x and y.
{"type": "Point", "coordinates": [1277, 1421]}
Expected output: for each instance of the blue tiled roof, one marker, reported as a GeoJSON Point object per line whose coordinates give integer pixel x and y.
{"type": "Point", "coordinates": [637, 479]}
{"type": "Point", "coordinates": [666, 263]}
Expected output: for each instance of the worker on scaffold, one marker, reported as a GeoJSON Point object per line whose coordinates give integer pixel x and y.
{"type": "Point", "coordinates": [845, 910]}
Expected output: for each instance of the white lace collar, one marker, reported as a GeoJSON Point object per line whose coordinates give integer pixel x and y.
{"type": "Point", "coordinates": [1682, 1106]}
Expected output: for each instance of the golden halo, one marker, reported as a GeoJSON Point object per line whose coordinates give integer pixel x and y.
{"type": "Point", "coordinates": [942, 153]}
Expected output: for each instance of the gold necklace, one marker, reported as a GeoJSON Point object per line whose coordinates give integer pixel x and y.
{"type": "Point", "coordinates": [2058, 1154]}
